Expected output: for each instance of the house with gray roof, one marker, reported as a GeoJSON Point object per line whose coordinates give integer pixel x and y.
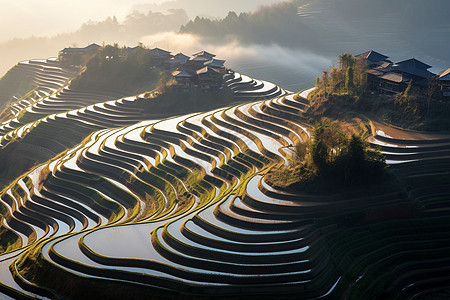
{"type": "Point", "coordinates": [160, 58]}
{"type": "Point", "coordinates": [179, 59]}
{"type": "Point", "coordinates": [444, 82]}
{"type": "Point", "coordinates": [388, 78]}
{"type": "Point", "coordinates": [392, 83]}
{"type": "Point", "coordinates": [183, 78]}
{"type": "Point", "coordinates": [77, 56]}
{"type": "Point", "coordinates": [204, 54]}
{"type": "Point", "coordinates": [215, 63]}
{"type": "Point", "coordinates": [373, 58]}
{"type": "Point", "coordinates": [209, 78]}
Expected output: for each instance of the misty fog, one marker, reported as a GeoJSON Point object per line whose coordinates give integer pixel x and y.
{"type": "Point", "coordinates": [283, 44]}
{"type": "Point", "coordinates": [40, 28]}
{"type": "Point", "coordinates": [211, 8]}
{"type": "Point", "coordinates": [292, 69]}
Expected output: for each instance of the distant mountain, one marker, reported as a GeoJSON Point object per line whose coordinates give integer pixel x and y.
{"type": "Point", "coordinates": [330, 27]}
{"type": "Point", "coordinates": [128, 32]}
{"type": "Point", "coordinates": [213, 8]}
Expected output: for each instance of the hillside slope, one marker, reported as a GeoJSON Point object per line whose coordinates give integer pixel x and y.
{"type": "Point", "coordinates": [179, 206]}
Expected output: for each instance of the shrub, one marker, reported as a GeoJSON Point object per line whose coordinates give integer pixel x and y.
{"type": "Point", "coordinates": [333, 158]}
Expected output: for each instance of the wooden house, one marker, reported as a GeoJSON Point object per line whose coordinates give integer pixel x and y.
{"type": "Point", "coordinates": [160, 58]}
{"type": "Point", "coordinates": [387, 78]}
{"type": "Point", "coordinates": [209, 78]}
{"type": "Point", "coordinates": [444, 82]}
{"type": "Point", "coordinates": [373, 58]}
{"type": "Point", "coordinates": [392, 83]}
{"type": "Point", "coordinates": [184, 79]}
{"type": "Point", "coordinates": [77, 56]}
{"type": "Point", "coordinates": [415, 70]}
{"type": "Point", "coordinates": [179, 59]}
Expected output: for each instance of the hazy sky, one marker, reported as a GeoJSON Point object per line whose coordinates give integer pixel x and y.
{"type": "Point", "coordinates": [24, 18]}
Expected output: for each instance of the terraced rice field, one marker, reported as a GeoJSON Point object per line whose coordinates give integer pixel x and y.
{"type": "Point", "coordinates": [180, 206]}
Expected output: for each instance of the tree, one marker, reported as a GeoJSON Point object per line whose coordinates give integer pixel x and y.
{"type": "Point", "coordinates": [318, 150]}
{"type": "Point", "coordinates": [433, 87]}
{"type": "Point", "coordinates": [349, 83]}
{"type": "Point", "coordinates": [408, 90]}
{"type": "Point", "coordinates": [162, 85]}
{"type": "Point", "coordinates": [327, 144]}
{"type": "Point", "coordinates": [346, 60]}
{"type": "Point", "coordinates": [325, 81]}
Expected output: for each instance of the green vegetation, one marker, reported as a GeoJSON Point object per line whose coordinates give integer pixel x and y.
{"type": "Point", "coordinates": [344, 92]}
{"type": "Point", "coordinates": [115, 68]}
{"type": "Point", "coordinates": [332, 159]}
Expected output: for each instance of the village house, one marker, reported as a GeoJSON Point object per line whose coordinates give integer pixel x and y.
{"type": "Point", "coordinates": [215, 63]}
{"type": "Point", "coordinates": [201, 70]}
{"type": "Point", "coordinates": [444, 82]}
{"type": "Point", "coordinates": [209, 78]}
{"type": "Point", "coordinates": [77, 56]}
{"type": "Point", "coordinates": [373, 58]}
{"type": "Point", "coordinates": [160, 58]}
{"type": "Point", "coordinates": [388, 78]}
{"type": "Point", "coordinates": [183, 78]}
{"type": "Point", "coordinates": [203, 56]}
{"type": "Point", "coordinates": [178, 59]}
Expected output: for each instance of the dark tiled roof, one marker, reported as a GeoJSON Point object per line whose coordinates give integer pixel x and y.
{"type": "Point", "coordinates": [414, 64]}
{"type": "Point", "coordinates": [207, 70]}
{"type": "Point", "coordinates": [204, 53]}
{"type": "Point", "coordinates": [375, 72]}
{"type": "Point", "coordinates": [93, 46]}
{"type": "Point", "coordinates": [216, 63]}
{"type": "Point", "coordinates": [87, 48]}
{"type": "Point", "coordinates": [180, 59]}
{"type": "Point", "coordinates": [181, 56]}
{"type": "Point", "coordinates": [385, 67]}
{"type": "Point", "coordinates": [395, 77]}
{"type": "Point", "coordinates": [201, 58]}
{"type": "Point", "coordinates": [373, 56]}
{"type": "Point", "coordinates": [159, 52]}
{"type": "Point", "coordinates": [181, 74]}
{"type": "Point", "coordinates": [413, 71]}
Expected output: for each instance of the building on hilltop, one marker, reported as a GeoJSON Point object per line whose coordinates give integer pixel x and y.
{"type": "Point", "coordinates": [373, 58]}
{"type": "Point", "coordinates": [415, 70]}
{"type": "Point", "coordinates": [392, 83]}
{"type": "Point", "coordinates": [160, 58]}
{"type": "Point", "coordinates": [209, 78]}
{"type": "Point", "coordinates": [204, 54]}
{"type": "Point", "coordinates": [160, 53]}
{"type": "Point", "coordinates": [201, 70]}
{"type": "Point", "coordinates": [215, 63]}
{"type": "Point", "coordinates": [77, 56]}
{"type": "Point", "coordinates": [183, 78]}
{"type": "Point", "coordinates": [179, 59]}
{"type": "Point", "coordinates": [385, 77]}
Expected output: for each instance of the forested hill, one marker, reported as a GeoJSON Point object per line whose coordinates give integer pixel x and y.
{"type": "Point", "coordinates": [328, 27]}
{"type": "Point", "coordinates": [278, 23]}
